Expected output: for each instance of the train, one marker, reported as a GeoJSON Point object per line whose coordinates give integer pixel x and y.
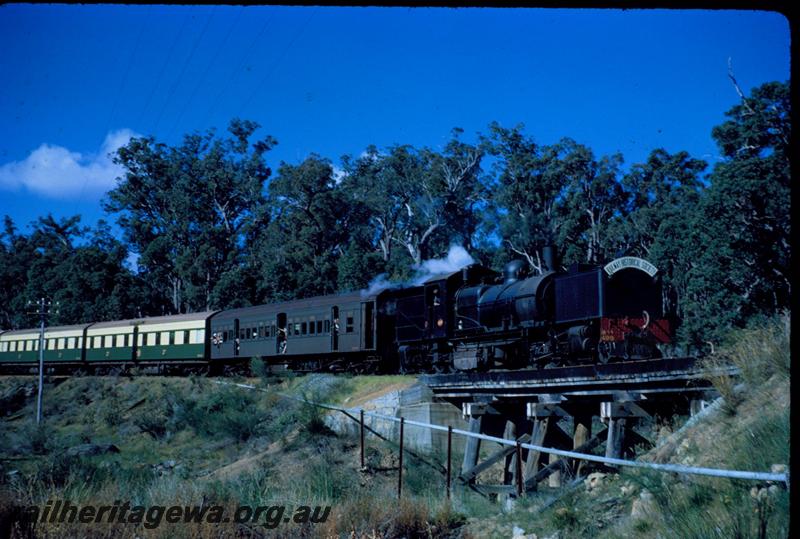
{"type": "Point", "coordinates": [468, 320]}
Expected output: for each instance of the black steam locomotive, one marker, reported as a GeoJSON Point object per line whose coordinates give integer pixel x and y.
{"type": "Point", "coordinates": [474, 319]}
{"type": "Point", "coordinates": [471, 319]}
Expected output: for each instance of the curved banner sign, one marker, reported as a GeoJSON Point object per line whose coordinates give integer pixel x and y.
{"type": "Point", "coordinates": [630, 262]}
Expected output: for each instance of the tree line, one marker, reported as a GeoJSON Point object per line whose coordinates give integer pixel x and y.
{"type": "Point", "coordinates": [214, 226]}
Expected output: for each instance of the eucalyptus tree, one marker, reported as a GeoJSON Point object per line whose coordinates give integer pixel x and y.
{"type": "Point", "coordinates": [415, 203]}
{"type": "Point", "coordinates": [739, 247]}
{"type": "Point", "coordinates": [297, 254]}
{"type": "Point", "coordinates": [187, 210]}
{"type": "Point", "coordinates": [526, 194]}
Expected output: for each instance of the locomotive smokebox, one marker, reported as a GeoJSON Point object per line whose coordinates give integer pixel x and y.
{"type": "Point", "coordinates": [513, 271]}
{"type": "Point", "coordinates": [549, 257]}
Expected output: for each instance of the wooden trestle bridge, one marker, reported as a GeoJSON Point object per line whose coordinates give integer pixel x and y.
{"type": "Point", "coordinates": [556, 408]}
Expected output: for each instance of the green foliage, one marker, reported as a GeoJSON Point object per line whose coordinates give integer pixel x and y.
{"type": "Point", "coordinates": [81, 269]}
{"type": "Point", "coordinates": [187, 210]}
{"type": "Point", "coordinates": [40, 439]}
{"type": "Point", "coordinates": [227, 412]}
{"type": "Point", "coordinates": [259, 368]}
{"type": "Point", "coordinates": [152, 419]}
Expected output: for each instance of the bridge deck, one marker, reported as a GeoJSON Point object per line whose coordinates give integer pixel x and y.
{"type": "Point", "coordinates": [652, 376]}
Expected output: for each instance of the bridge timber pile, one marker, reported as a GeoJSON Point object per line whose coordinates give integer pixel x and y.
{"type": "Point", "coordinates": [559, 408]}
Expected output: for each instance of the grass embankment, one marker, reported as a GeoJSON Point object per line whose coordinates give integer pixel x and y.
{"type": "Point", "coordinates": [189, 441]}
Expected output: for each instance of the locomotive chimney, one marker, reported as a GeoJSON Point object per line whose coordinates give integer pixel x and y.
{"type": "Point", "coordinates": [549, 257]}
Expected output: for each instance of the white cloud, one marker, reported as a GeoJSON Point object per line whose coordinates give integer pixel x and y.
{"type": "Point", "coordinates": [56, 172]}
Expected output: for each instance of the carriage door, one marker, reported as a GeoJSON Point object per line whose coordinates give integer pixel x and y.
{"type": "Point", "coordinates": [368, 329]}
{"type": "Point", "coordinates": [236, 337]}
{"type": "Point", "coordinates": [280, 336]}
{"type": "Point", "coordinates": [335, 328]}
{"type": "Point", "coordinates": [135, 344]}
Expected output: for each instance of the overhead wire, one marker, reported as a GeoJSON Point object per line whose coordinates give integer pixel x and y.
{"type": "Point", "coordinates": [117, 98]}
{"type": "Point", "coordinates": [183, 70]}
{"type": "Point", "coordinates": [163, 68]}
{"type": "Point", "coordinates": [277, 62]}
{"type": "Point", "coordinates": [202, 78]}
{"type": "Point", "coordinates": [238, 69]}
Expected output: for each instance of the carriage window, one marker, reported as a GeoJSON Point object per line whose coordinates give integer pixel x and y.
{"type": "Point", "coordinates": [312, 327]}
{"type": "Point", "coordinates": [108, 341]}
{"type": "Point", "coordinates": [120, 341]}
{"type": "Point", "coordinates": [272, 330]}
{"type": "Point", "coordinates": [254, 332]}
{"type": "Point", "coordinates": [349, 328]}
{"type": "Point", "coordinates": [297, 328]}
{"type": "Point", "coordinates": [180, 337]}
{"type": "Point", "coordinates": [304, 328]}
{"type": "Point", "coordinates": [13, 346]}
{"type": "Point", "coordinates": [151, 339]}
{"type": "Point", "coordinates": [140, 340]}
{"type": "Point", "coordinates": [3, 346]}
{"type": "Point", "coordinates": [71, 343]}
{"type": "Point", "coordinates": [261, 331]}
{"type": "Point", "coordinates": [327, 326]}
{"type": "Point", "coordinates": [197, 336]}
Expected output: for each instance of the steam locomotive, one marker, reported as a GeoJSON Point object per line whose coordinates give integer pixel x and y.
{"type": "Point", "coordinates": [473, 319]}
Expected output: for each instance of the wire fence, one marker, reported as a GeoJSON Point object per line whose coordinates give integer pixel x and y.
{"type": "Point", "coordinates": [353, 413]}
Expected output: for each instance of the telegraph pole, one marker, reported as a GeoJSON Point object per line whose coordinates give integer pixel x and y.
{"type": "Point", "coordinates": [43, 311]}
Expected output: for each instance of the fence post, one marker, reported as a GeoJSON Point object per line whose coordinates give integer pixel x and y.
{"type": "Point", "coordinates": [362, 438]}
{"type": "Point", "coordinates": [449, 454]}
{"type": "Point", "coordinates": [519, 469]}
{"type": "Point", "coordinates": [400, 474]}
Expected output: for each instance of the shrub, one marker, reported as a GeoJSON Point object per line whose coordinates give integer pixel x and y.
{"type": "Point", "coordinates": [228, 411]}
{"type": "Point", "coordinates": [153, 420]}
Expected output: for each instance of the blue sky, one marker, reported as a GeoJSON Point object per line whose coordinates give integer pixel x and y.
{"type": "Point", "coordinates": [79, 80]}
